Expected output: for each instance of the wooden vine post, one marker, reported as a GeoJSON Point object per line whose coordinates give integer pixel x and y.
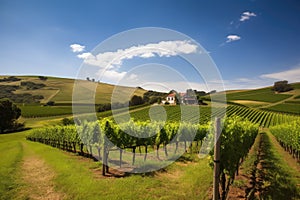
{"type": "Point", "coordinates": [217, 143]}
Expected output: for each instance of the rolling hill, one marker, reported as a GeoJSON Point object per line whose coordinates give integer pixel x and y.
{"type": "Point", "coordinates": [31, 93]}
{"type": "Point", "coordinates": [267, 99]}
{"type": "Point", "coordinates": [60, 90]}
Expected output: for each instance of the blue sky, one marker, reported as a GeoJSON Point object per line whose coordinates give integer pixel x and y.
{"type": "Point", "coordinates": [253, 43]}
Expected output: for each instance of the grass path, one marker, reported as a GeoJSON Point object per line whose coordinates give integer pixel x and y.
{"type": "Point", "coordinates": [267, 173]}
{"type": "Point", "coordinates": [37, 178]}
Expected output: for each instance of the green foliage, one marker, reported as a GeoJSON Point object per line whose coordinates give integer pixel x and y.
{"type": "Point", "coordinates": [43, 78]}
{"type": "Point", "coordinates": [282, 86]}
{"type": "Point", "coordinates": [50, 103]}
{"type": "Point", "coordinates": [7, 91]}
{"type": "Point", "coordinates": [136, 100]}
{"type": "Point", "coordinates": [153, 96]}
{"type": "Point", "coordinates": [289, 136]}
{"type": "Point", "coordinates": [31, 85]}
{"type": "Point", "coordinates": [10, 79]}
{"type": "Point", "coordinates": [9, 113]}
{"type": "Point", "coordinates": [237, 137]}
{"type": "Point", "coordinates": [67, 121]}
{"type": "Point", "coordinates": [94, 133]}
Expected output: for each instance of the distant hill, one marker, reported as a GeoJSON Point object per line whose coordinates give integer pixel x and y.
{"type": "Point", "coordinates": [60, 90]}
{"type": "Point", "coordinates": [267, 99]}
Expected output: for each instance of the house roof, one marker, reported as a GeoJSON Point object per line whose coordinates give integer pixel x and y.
{"type": "Point", "coordinates": [171, 95]}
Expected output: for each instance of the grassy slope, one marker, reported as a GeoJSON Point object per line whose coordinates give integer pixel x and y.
{"type": "Point", "coordinates": [263, 94]}
{"type": "Point", "coordinates": [60, 89]}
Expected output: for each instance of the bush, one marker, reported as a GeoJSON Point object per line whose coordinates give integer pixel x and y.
{"type": "Point", "coordinates": [43, 78]}
{"type": "Point", "coordinates": [67, 121]}
{"type": "Point", "coordinates": [50, 103]}
{"type": "Point", "coordinates": [10, 79]}
{"type": "Point", "coordinates": [32, 86]}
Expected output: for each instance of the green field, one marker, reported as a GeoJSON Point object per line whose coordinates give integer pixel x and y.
{"type": "Point", "coordinates": [293, 108]}
{"type": "Point", "coordinates": [264, 95]}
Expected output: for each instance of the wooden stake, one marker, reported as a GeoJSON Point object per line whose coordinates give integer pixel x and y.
{"type": "Point", "coordinates": [217, 143]}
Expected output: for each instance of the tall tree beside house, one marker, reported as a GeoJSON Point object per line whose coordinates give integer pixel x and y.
{"type": "Point", "coordinates": [9, 113]}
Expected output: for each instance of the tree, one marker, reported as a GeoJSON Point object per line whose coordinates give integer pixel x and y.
{"type": "Point", "coordinates": [282, 86]}
{"type": "Point", "coordinates": [136, 100]}
{"type": "Point", "coordinates": [43, 78]}
{"type": "Point", "coordinates": [9, 113]}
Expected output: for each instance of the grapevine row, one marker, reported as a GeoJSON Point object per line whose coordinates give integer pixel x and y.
{"type": "Point", "coordinates": [288, 136]}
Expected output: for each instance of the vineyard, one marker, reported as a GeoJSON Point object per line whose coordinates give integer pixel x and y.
{"type": "Point", "coordinates": [288, 136]}
{"type": "Point", "coordinates": [203, 115]}
{"type": "Point", "coordinates": [156, 136]}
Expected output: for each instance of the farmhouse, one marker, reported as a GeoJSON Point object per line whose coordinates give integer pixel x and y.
{"type": "Point", "coordinates": [170, 99]}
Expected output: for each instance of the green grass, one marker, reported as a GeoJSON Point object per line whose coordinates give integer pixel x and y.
{"type": "Point", "coordinates": [264, 95]}
{"type": "Point", "coordinates": [279, 179]}
{"type": "Point", "coordinates": [11, 153]}
{"type": "Point", "coordinates": [78, 181]}
{"type": "Point", "coordinates": [171, 113]}
{"type": "Point", "coordinates": [296, 85]}
{"type": "Point", "coordinates": [292, 108]}
{"type": "Point", "coordinates": [293, 102]}
{"type": "Point", "coordinates": [45, 111]}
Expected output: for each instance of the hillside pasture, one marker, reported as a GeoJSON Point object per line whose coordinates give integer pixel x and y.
{"type": "Point", "coordinates": [60, 90]}
{"type": "Point", "coordinates": [262, 95]}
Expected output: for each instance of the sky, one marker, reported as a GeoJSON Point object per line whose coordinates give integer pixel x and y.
{"type": "Point", "coordinates": [251, 43]}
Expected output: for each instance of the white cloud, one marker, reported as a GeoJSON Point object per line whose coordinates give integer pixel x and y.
{"type": "Point", "coordinates": [77, 48]}
{"type": "Point", "coordinates": [112, 60]}
{"type": "Point", "coordinates": [84, 55]}
{"type": "Point", "coordinates": [247, 15]}
{"type": "Point", "coordinates": [291, 75]}
{"type": "Point", "coordinates": [231, 38]}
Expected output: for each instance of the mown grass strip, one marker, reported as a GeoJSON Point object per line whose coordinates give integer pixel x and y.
{"type": "Point", "coordinates": [11, 153]}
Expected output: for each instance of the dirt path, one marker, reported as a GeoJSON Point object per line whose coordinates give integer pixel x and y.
{"type": "Point", "coordinates": [38, 180]}
{"type": "Point", "coordinates": [50, 97]}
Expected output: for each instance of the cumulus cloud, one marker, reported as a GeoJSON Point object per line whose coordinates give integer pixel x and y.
{"type": "Point", "coordinates": [77, 48]}
{"type": "Point", "coordinates": [115, 59]}
{"type": "Point", "coordinates": [231, 38]}
{"type": "Point", "coordinates": [247, 15]}
{"type": "Point", "coordinates": [291, 75]}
